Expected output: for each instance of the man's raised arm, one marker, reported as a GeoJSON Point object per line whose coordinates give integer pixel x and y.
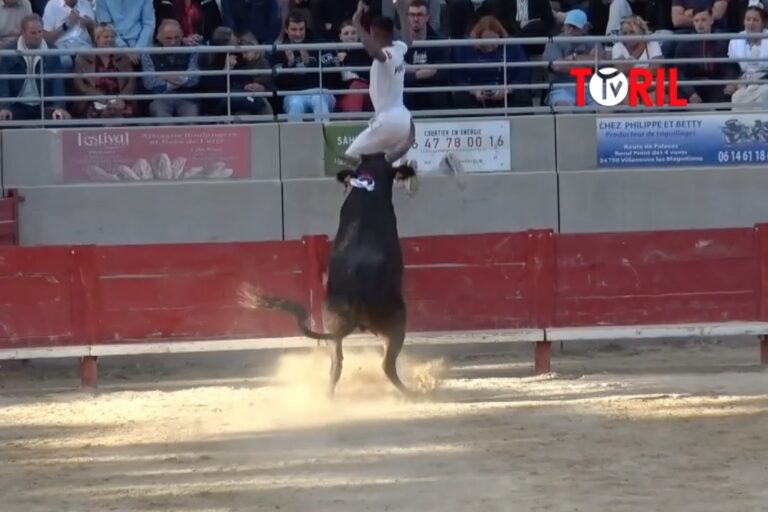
{"type": "Point", "coordinates": [373, 48]}
{"type": "Point", "coordinates": [401, 6]}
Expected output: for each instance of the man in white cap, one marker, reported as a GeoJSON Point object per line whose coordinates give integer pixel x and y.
{"type": "Point", "coordinates": [563, 91]}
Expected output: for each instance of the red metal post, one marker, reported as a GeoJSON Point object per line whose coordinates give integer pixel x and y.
{"type": "Point", "coordinates": [542, 265]}
{"type": "Point", "coordinates": [761, 247]}
{"type": "Point", "coordinates": [89, 372]}
{"type": "Point", "coordinates": [761, 241]}
{"type": "Point", "coordinates": [542, 357]}
{"type": "Point", "coordinates": [85, 288]}
{"type": "Point", "coordinates": [316, 252]}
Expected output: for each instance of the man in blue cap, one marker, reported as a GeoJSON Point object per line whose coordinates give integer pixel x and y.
{"type": "Point", "coordinates": [563, 91]}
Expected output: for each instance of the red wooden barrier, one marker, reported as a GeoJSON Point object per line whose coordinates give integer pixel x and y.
{"type": "Point", "coordinates": [9, 215]}
{"type": "Point", "coordinates": [657, 277]}
{"type": "Point", "coordinates": [93, 295]}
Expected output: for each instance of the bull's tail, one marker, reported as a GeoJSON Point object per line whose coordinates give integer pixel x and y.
{"type": "Point", "coordinates": [251, 298]}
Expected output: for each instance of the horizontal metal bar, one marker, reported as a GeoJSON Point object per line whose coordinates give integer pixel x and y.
{"type": "Point", "coordinates": [433, 43]}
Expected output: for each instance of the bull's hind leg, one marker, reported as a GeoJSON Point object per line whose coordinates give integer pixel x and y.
{"type": "Point", "coordinates": [334, 323]}
{"type": "Point", "coordinates": [337, 361]}
{"type": "Point", "coordinates": [395, 337]}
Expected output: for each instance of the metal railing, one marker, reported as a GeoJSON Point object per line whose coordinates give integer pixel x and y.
{"type": "Point", "coordinates": [533, 87]}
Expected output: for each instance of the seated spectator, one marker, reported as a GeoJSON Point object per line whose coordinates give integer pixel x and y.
{"type": "Point", "coordinates": [250, 59]}
{"type": "Point", "coordinates": [352, 79]}
{"type": "Point", "coordinates": [198, 18]}
{"type": "Point", "coordinates": [11, 14]}
{"type": "Point", "coordinates": [703, 22]}
{"type": "Point", "coordinates": [312, 99]}
{"type": "Point", "coordinates": [751, 48]}
{"type": "Point", "coordinates": [106, 85]}
{"type": "Point", "coordinates": [563, 92]}
{"type": "Point", "coordinates": [169, 36]}
{"type": "Point", "coordinates": [256, 60]}
{"type": "Point", "coordinates": [134, 22]}
{"type": "Point", "coordinates": [387, 8]}
{"type": "Point", "coordinates": [636, 50]}
{"type": "Point", "coordinates": [27, 91]}
{"type": "Point", "coordinates": [489, 27]}
{"type": "Point", "coordinates": [303, 6]}
{"type": "Point", "coordinates": [69, 24]}
{"type": "Point", "coordinates": [415, 76]}
{"type": "Point", "coordinates": [258, 17]}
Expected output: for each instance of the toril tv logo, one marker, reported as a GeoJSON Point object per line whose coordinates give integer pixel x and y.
{"type": "Point", "coordinates": [610, 87]}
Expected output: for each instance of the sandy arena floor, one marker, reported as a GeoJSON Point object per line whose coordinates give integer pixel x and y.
{"type": "Point", "coordinates": [665, 427]}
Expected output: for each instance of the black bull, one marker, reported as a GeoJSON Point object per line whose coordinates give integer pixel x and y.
{"type": "Point", "coordinates": [365, 274]}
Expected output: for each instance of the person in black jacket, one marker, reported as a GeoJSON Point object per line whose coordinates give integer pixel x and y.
{"type": "Point", "coordinates": [311, 98]}
{"type": "Point", "coordinates": [198, 18]}
{"type": "Point", "coordinates": [420, 30]}
{"type": "Point", "coordinates": [702, 22]}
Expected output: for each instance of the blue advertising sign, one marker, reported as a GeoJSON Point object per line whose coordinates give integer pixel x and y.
{"type": "Point", "coordinates": [682, 140]}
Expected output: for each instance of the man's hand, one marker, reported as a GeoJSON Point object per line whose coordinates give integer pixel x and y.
{"type": "Point", "coordinates": [254, 87]}
{"type": "Point", "coordinates": [361, 8]}
{"type": "Point", "coordinates": [6, 115]}
{"type": "Point", "coordinates": [174, 80]}
{"type": "Point", "coordinates": [425, 73]}
{"type": "Point", "coordinates": [60, 113]}
{"type": "Point", "coordinates": [73, 18]}
{"type": "Point", "coordinates": [193, 40]}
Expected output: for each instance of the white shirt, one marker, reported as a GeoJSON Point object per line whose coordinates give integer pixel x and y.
{"type": "Point", "coordinates": [652, 51]}
{"type": "Point", "coordinates": [388, 78]}
{"type": "Point", "coordinates": [740, 48]}
{"type": "Point", "coordinates": [56, 11]}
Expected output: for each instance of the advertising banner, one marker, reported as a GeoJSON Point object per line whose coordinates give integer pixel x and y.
{"type": "Point", "coordinates": [682, 140]}
{"type": "Point", "coordinates": [167, 153]}
{"type": "Point", "coordinates": [482, 146]}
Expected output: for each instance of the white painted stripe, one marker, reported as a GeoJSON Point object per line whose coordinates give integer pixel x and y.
{"type": "Point", "coordinates": [356, 340]}
{"type": "Point", "coordinates": [703, 330]}
{"type": "Point", "coordinates": [44, 352]}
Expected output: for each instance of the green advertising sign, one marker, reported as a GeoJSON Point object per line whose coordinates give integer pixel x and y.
{"type": "Point", "coordinates": [338, 138]}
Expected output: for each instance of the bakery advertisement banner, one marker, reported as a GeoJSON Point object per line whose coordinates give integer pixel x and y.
{"type": "Point", "coordinates": [156, 154]}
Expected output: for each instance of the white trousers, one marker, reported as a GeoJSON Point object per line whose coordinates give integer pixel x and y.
{"type": "Point", "coordinates": [389, 132]}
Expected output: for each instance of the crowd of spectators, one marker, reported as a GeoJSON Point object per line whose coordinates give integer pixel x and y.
{"type": "Point", "coordinates": [138, 24]}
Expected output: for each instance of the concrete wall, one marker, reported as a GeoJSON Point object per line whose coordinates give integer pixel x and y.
{"type": "Point", "coordinates": [489, 202]}
{"type": "Point", "coordinates": [553, 183]}
{"type": "Point", "coordinates": [151, 213]}
{"type": "Point", "coordinates": [594, 200]}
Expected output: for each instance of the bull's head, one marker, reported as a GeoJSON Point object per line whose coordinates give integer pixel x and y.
{"type": "Point", "coordinates": [375, 173]}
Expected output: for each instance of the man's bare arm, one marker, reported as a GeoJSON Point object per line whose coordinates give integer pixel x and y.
{"type": "Point", "coordinates": [373, 48]}
{"type": "Point", "coordinates": [401, 6]}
